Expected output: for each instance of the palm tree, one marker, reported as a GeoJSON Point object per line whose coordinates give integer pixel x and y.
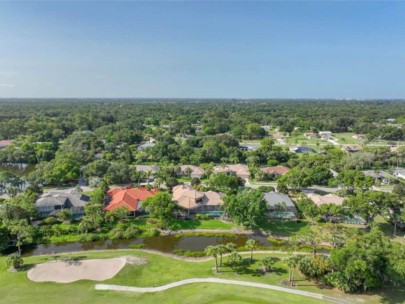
{"type": "Point", "coordinates": [213, 251]}
{"type": "Point", "coordinates": [251, 245]}
{"type": "Point", "coordinates": [230, 247]}
{"type": "Point", "coordinates": [292, 263]}
{"type": "Point", "coordinates": [234, 260]}
{"type": "Point", "coordinates": [221, 250]}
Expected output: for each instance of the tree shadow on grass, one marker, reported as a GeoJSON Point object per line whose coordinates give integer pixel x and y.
{"type": "Point", "coordinates": [278, 270]}
{"type": "Point", "coordinates": [25, 267]}
{"type": "Point", "coordinates": [392, 295]}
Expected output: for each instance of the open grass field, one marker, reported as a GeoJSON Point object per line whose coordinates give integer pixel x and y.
{"type": "Point", "coordinates": [346, 139]}
{"type": "Point", "coordinates": [16, 288]}
{"type": "Point", "coordinates": [200, 224]}
{"type": "Point", "coordinates": [143, 223]}
{"type": "Point", "coordinates": [286, 229]}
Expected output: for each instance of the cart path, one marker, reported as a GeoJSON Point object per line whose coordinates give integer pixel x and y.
{"type": "Point", "coordinates": [220, 281]}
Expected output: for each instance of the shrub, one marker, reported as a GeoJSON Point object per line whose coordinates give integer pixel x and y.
{"type": "Point", "coordinates": [131, 232]}
{"type": "Point", "coordinates": [50, 220]}
{"type": "Point", "coordinates": [200, 216]}
{"type": "Point", "coordinates": [90, 237]}
{"type": "Point", "coordinates": [116, 233]}
{"type": "Point", "coordinates": [14, 260]}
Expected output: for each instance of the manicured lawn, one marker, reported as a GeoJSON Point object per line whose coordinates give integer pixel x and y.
{"type": "Point", "coordinates": [388, 230]}
{"type": "Point", "coordinates": [346, 138]}
{"type": "Point", "coordinates": [200, 224]}
{"type": "Point", "coordinates": [142, 223]}
{"type": "Point", "coordinates": [16, 288]}
{"type": "Point", "coordinates": [284, 228]}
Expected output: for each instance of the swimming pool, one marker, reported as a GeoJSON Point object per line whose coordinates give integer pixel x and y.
{"type": "Point", "coordinates": [214, 213]}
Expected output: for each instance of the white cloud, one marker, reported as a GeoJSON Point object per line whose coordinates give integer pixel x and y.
{"type": "Point", "coordinates": [7, 85]}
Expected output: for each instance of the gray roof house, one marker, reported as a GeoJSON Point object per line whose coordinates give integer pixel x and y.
{"type": "Point", "coordinates": [147, 168]}
{"type": "Point", "coordinates": [399, 172]}
{"type": "Point", "coordinates": [382, 176]}
{"type": "Point", "coordinates": [145, 146]}
{"type": "Point", "coordinates": [51, 203]}
{"type": "Point", "coordinates": [196, 171]}
{"type": "Point", "coordinates": [280, 205]}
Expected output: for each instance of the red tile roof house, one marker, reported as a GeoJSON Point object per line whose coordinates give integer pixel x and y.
{"type": "Point", "coordinates": [5, 143]}
{"type": "Point", "coordinates": [276, 171]}
{"type": "Point", "coordinates": [129, 198]}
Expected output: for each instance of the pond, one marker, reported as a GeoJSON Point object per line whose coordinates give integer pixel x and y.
{"type": "Point", "coordinates": [20, 170]}
{"type": "Point", "coordinates": [168, 244]}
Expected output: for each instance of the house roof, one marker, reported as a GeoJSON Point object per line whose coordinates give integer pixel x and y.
{"type": "Point", "coordinates": [146, 145]}
{"type": "Point", "coordinates": [352, 148]}
{"type": "Point", "coordinates": [281, 170]}
{"type": "Point", "coordinates": [195, 170]}
{"type": "Point", "coordinates": [311, 134]}
{"type": "Point", "coordinates": [189, 198]}
{"type": "Point", "coordinates": [72, 199]}
{"type": "Point", "coordinates": [129, 198]}
{"type": "Point", "coordinates": [5, 143]}
{"type": "Point", "coordinates": [147, 168]}
{"type": "Point", "coordinates": [239, 169]}
{"type": "Point", "coordinates": [359, 136]}
{"type": "Point", "coordinates": [274, 198]}
{"type": "Point", "coordinates": [326, 199]}
{"type": "Point", "coordinates": [277, 136]}
{"type": "Point", "coordinates": [399, 171]}
{"type": "Point", "coordinates": [377, 174]}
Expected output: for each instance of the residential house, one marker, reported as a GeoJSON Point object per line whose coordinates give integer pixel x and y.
{"type": "Point", "coordinates": [249, 147]}
{"type": "Point", "coordinates": [351, 148]}
{"type": "Point", "coordinates": [275, 172]}
{"type": "Point", "coordinates": [359, 136]}
{"type": "Point", "coordinates": [128, 198]}
{"type": "Point", "coordinates": [193, 201]}
{"type": "Point", "coordinates": [278, 136]}
{"type": "Point", "coordinates": [334, 173]}
{"type": "Point", "coordinates": [325, 135]}
{"type": "Point", "coordinates": [302, 149]}
{"type": "Point", "coordinates": [5, 143]}
{"type": "Point", "coordinates": [239, 170]}
{"type": "Point", "coordinates": [380, 176]}
{"type": "Point", "coordinates": [147, 168]}
{"type": "Point", "coordinates": [399, 172]}
{"type": "Point", "coordinates": [326, 199]}
{"type": "Point", "coordinates": [280, 206]}
{"type": "Point", "coordinates": [146, 146]}
{"type": "Point", "coordinates": [311, 135]}
{"type": "Point", "coordinates": [196, 172]}
{"type": "Point", "coordinates": [51, 203]}
{"type": "Point", "coordinates": [266, 128]}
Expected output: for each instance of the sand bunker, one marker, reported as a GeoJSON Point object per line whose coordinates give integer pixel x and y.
{"type": "Point", "coordinates": [73, 270]}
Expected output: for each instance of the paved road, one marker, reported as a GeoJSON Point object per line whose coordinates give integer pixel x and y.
{"type": "Point", "coordinates": [221, 281]}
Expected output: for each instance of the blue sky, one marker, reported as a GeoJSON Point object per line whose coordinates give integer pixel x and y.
{"type": "Point", "coordinates": [203, 49]}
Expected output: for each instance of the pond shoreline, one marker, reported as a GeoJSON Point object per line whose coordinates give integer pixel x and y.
{"type": "Point", "coordinates": [184, 241]}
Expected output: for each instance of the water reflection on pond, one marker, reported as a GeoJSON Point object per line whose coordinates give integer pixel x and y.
{"type": "Point", "coordinates": [20, 170]}
{"type": "Point", "coordinates": [167, 243]}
